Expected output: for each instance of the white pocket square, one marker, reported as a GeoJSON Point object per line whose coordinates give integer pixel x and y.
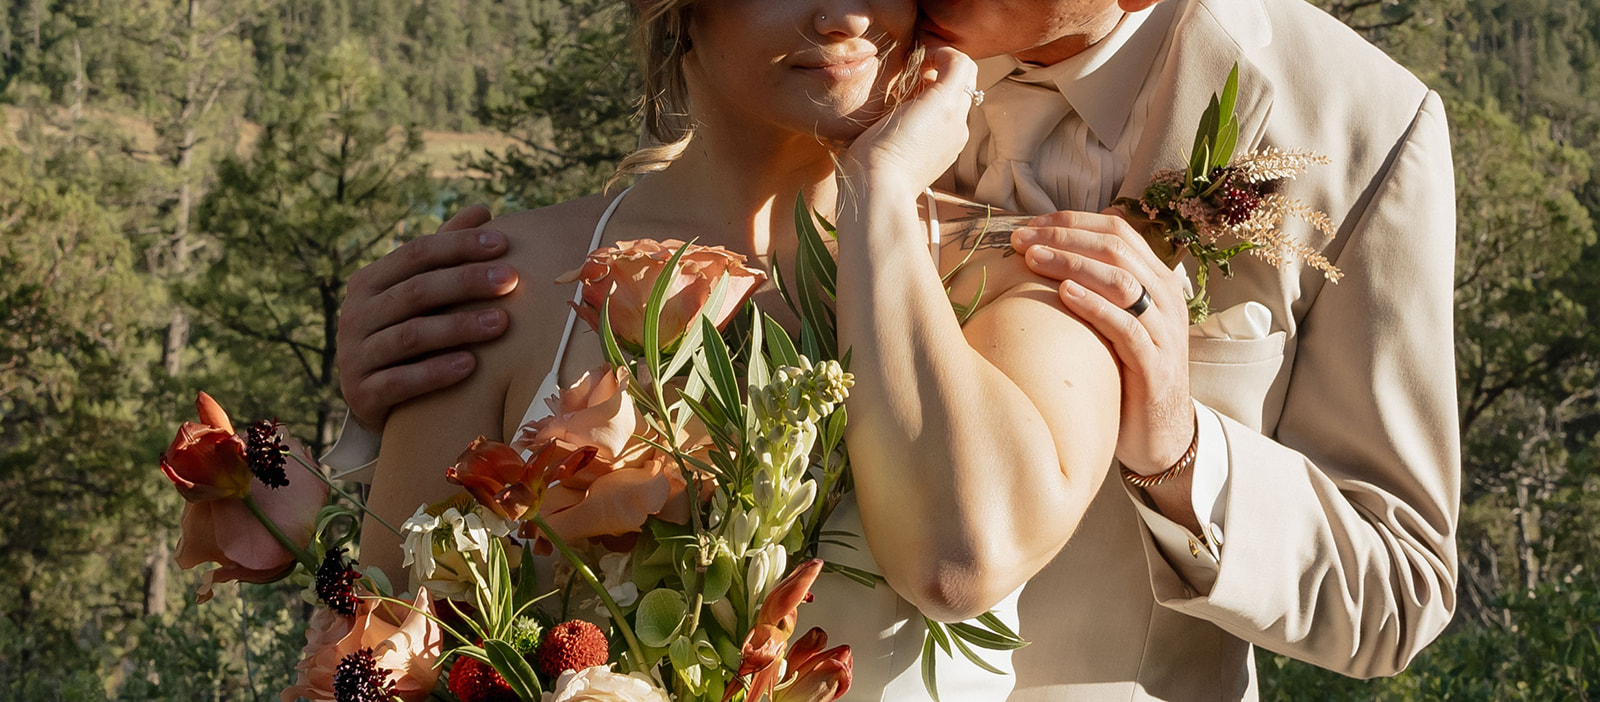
{"type": "Point", "coordinates": [1243, 322]}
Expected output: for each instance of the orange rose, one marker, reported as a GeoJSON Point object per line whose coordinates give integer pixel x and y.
{"type": "Point", "coordinates": [404, 641]}
{"type": "Point", "coordinates": [627, 272]}
{"type": "Point", "coordinates": [206, 460]}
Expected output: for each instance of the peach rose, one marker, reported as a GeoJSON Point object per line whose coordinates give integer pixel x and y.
{"type": "Point", "coordinates": [614, 498]}
{"type": "Point", "coordinates": [628, 480]}
{"type": "Point", "coordinates": [595, 411]}
{"type": "Point", "coordinates": [627, 272]}
{"type": "Point", "coordinates": [403, 641]}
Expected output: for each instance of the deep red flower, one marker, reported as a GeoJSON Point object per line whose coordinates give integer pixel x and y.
{"type": "Point", "coordinates": [473, 681]}
{"type": "Point", "coordinates": [359, 679]}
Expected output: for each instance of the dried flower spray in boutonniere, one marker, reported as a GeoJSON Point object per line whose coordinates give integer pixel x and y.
{"type": "Point", "coordinates": [1221, 206]}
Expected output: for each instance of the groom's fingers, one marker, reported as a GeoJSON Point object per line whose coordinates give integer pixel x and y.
{"type": "Point", "coordinates": [458, 240]}
{"type": "Point", "coordinates": [415, 339]}
{"type": "Point", "coordinates": [1040, 229]}
{"type": "Point", "coordinates": [431, 290]}
{"type": "Point", "coordinates": [372, 397]}
{"type": "Point", "coordinates": [1129, 339]}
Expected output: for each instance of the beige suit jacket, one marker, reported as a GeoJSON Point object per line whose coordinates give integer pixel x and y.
{"type": "Point", "coordinates": [1341, 426]}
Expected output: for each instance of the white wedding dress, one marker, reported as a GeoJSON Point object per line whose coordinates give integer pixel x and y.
{"type": "Point", "coordinates": [885, 633]}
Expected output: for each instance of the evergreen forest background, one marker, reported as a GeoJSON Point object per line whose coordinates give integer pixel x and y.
{"type": "Point", "coordinates": [186, 186]}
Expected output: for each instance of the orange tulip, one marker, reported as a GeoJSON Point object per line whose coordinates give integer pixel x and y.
{"type": "Point", "coordinates": [207, 463]}
{"type": "Point", "coordinates": [206, 460]}
{"type": "Point", "coordinates": [499, 479]}
{"type": "Point", "coordinates": [404, 642]}
{"type": "Point", "coordinates": [761, 656]}
{"type": "Point", "coordinates": [626, 274]}
{"type": "Point", "coordinates": [815, 675]}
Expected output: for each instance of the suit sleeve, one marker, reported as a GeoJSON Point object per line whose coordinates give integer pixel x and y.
{"type": "Point", "coordinates": [1340, 542]}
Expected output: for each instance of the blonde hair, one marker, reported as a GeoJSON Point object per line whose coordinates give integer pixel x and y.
{"type": "Point", "coordinates": [660, 41]}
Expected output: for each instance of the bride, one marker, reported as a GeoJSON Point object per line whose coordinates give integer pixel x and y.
{"type": "Point", "coordinates": [976, 447]}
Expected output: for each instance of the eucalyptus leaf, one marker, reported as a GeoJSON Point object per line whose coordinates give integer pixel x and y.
{"type": "Point", "coordinates": [658, 616]}
{"type": "Point", "coordinates": [719, 576]}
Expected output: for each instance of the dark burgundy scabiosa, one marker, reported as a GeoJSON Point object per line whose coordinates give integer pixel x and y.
{"type": "Point", "coordinates": [572, 645]}
{"type": "Point", "coordinates": [359, 679]}
{"type": "Point", "coordinates": [1237, 203]}
{"type": "Point", "coordinates": [334, 579]}
{"type": "Point", "coordinates": [264, 452]}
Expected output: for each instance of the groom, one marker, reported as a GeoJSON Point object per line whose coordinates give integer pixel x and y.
{"type": "Point", "coordinates": [1315, 514]}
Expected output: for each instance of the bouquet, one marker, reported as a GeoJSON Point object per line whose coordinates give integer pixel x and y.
{"type": "Point", "coordinates": [680, 490]}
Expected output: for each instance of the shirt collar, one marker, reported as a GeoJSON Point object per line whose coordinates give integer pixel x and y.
{"type": "Point", "coordinates": [1102, 82]}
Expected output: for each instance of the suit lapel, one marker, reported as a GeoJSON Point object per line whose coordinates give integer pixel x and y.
{"type": "Point", "coordinates": [1199, 52]}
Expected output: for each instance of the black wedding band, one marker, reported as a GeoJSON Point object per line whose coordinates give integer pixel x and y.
{"type": "Point", "coordinates": [1140, 305]}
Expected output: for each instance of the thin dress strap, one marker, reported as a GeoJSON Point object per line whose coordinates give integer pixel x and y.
{"type": "Point", "coordinates": [552, 381]}
{"type": "Point", "coordinates": [933, 224]}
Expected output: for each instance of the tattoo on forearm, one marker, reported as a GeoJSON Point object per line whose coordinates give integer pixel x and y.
{"type": "Point", "coordinates": [981, 228]}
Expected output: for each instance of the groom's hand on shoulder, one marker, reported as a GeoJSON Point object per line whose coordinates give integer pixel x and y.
{"type": "Point", "coordinates": [393, 344]}
{"type": "Point", "coordinates": [1106, 267]}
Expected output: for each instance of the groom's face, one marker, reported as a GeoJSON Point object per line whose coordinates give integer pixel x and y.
{"type": "Point", "coordinates": [985, 28]}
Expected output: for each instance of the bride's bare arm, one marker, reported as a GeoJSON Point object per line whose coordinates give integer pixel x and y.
{"type": "Point", "coordinates": [976, 449]}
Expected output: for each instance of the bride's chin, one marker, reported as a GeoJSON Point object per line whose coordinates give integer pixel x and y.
{"type": "Point", "coordinates": [846, 125]}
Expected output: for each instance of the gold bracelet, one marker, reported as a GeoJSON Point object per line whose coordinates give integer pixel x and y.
{"type": "Point", "coordinates": [1184, 463]}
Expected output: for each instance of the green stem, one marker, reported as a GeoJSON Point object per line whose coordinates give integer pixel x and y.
{"type": "Point", "coordinates": [340, 492]}
{"type": "Point", "coordinates": [272, 528]}
{"type": "Point", "coordinates": [582, 568]}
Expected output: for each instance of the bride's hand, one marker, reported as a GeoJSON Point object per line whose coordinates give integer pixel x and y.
{"type": "Point", "coordinates": [919, 140]}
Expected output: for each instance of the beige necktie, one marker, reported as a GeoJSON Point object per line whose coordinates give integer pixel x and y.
{"type": "Point", "coordinates": [1020, 116]}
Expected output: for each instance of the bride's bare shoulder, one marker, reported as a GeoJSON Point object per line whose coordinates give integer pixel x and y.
{"type": "Point", "coordinates": [542, 245]}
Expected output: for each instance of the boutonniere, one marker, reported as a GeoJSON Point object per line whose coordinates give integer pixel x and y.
{"type": "Point", "coordinates": [1221, 206]}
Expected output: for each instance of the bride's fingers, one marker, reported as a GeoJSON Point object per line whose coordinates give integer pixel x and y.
{"type": "Point", "coordinates": [947, 69]}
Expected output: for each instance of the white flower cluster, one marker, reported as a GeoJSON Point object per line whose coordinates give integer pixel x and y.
{"type": "Point", "coordinates": [787, 411]}
{"type": "Point", "coordinates": [448, 551]}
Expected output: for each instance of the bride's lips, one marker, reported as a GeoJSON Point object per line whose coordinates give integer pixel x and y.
{"type": "Point", "coordinates": [841, 66]}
